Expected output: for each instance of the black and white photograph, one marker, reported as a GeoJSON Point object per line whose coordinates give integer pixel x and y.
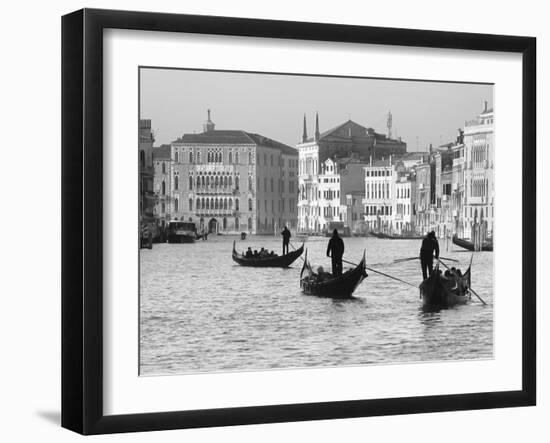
{"type": "Point", "coordinates": [310, 221]}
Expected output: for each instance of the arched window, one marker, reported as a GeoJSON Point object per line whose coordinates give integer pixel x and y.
{"type": "Point", "coordinates": [202, 180]}
{"type": "Point", "coordinates": [230, 181]}
{"type": "Point", "coordinates": [230, 204]}
{"type": "Point", "coordinates": [176, 205]}
{"type": "Point", "coordinates": [199, 157]}
{"type": "Point", "coordinates": [224, 223]}
{"type": "Point", "coordinates": [237, 182]}
{"type": "Point", "coordinates": [271, 179]}
{"type": "Point", "coordinates": [190, 157]}
{"type": "Point", "coordinates": [250, 158]}
{"type": "Point", "coordinates": [163, 188]}
{"type": "Point", "coordinates": [190, 182]}
{"type": "Point", "coordinates": [250, 204]}
{"type": "Point", "coordinates": [207, 180]}
{"type": "Point", "coordinates": [142, 158]}
{"type": "Point", "coordinates": [250, 183]}
{"type": "Point", "coordinates": [224, 203]}
{"type": "Point", "coordinates": [236, 157]}
{"type": "Point", "coordinates": [216, 181]}
{"type": "Point", "coordinates": [176, 157]}
{"type": "Point", "coordinates": [176, 182]}
{"type": "Point", "coordinates": [190, 204]}
{"type": "Point", "coordinates": [230, 157]}
{"type": "Point", "coordinates": [207, 203]}
{"type": "Point", "coordinates": [236, 204]}
{"type": "Point", "coordinates": [208, 157]}
{"type": "Point", "coordinates": [198, 181]}
{"type": "Point", "coordinates": [236, 223]}
{"type": "Point", "coordinates": [249, 223]}
{"type": "Point", "coordinates": [163, 167]}
{"type": "Point", "coordinates": [163, 207]}
{"type": "Point", "coordinates": [225, 181]}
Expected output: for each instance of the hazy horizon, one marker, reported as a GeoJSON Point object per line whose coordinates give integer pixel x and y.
{"type": "Point", "coordinates": [274, 105]}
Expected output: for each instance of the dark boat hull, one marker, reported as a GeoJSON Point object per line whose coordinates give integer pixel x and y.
{"type": "Point", "coordinates": [281, 261]}
{"type": "Point", "coordinates": [174, 238]}
{"type": "Point", "coordinates": [340, 287]}
{"type": "Point", "coordinates": [435, 291]}
{"type": "Point", "coordinates": [466, 244]}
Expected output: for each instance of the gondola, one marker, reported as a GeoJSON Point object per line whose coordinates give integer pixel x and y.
{"type": "Point", "coordinates": [277, 261]}
{"type": "Point", "coordinates": [441, 292]}
{"type": "Point", "coordinates": [398, 236]}
{"type": "Point", "coordinates": [466, 244]}
{"type": "Point", "coordinates": [339, 287]}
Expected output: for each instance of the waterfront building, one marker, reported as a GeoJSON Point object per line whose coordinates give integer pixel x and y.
{"type": "Point", "coordinates": [346, 141]}
{"type": "Point", "coordinates": [423, 212]}
{"type": "Point", "coordinates": [379, 200]}
{"type": "Point", "coordinates": [229, 181]}
{"type": "Point", "coordinates": [457, 191]}
{"type": "Point", "coordinates": [354, 212]}
{"type": "Point", "coordinates": [403, 202]}
{"type": "Point", "coordinates": [146, 194]}
{"type": "Point", "coordinates": [162, 184]}
{"type": "Point", "coordinates": [441, 163]}
{"type": "Point", "coordinates": [478, 207]}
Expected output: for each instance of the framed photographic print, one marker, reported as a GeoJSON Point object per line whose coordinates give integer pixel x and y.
{"type": "Point", "coordinates": [269, 221]}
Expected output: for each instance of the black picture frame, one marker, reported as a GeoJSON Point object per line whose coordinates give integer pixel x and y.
{"type": "Point", "coordinates": [82, 218]}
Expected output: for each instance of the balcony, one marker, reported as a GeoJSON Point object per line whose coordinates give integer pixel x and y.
{"type": "Point", "coordinates": [216, 191]}
{"type": "Point", "coordinates": [216, 213]}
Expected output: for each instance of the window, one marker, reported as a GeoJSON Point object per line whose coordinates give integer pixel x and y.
{"type": "Point", "coordinates": [224, 223]}
{"type": "Point", "coordinates": [237, 158]}
{"type": "Point", "coordinates": [236, 204]}
{"type": "Point", "coordinates": [190, 204]}
{"type": "Point", "coordinates": [230, 157]}
{"type": "Point", "coordinates": [272, 181]}
{"type": "Point", "coordinates": [236, 223]}
{"type": "Point", "coordinates": [250, 204]}
{"type": "Point", "coordinates": [163, 207]}
{"type": "Point", "coordinates": [190, 157]}
{"type": "Point", "coordinates": [163, 167]}
{"type": "Point", "coordinates": [237, 183]}
{"type": "Point", "coordinates": [142, 158]}
{"type": "Point", "coordinates": [176, 157]}
{"type": "Point", "coordinates": [176, 182]}
{"type": "Point", "coordinates": [163, 188]}
{"type": "Point", "coordinates": [190, 182]}
{"type": "Point", "coordinates": [176, 205]}
{"type": "Point", "coordinates": [249, 223]}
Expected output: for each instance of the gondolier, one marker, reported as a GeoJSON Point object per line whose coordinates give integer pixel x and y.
{"type": "Point", "coordinates": [429, 246]}
{"type": "Point", "coordinates": [286, 239]}
{"type": "Point", "coordinates": [335, 250]}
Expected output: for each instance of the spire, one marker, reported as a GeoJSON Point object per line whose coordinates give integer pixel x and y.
{"type": "Point", "coordinates": [317, 134]}
{"type": "Point", "coordinates": [304, 135]}
{"type": "Point", "coordinates": [208, 124]}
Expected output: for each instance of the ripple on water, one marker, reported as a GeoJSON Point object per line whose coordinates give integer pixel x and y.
{"type": "Point", "coordinates": [201, 312]}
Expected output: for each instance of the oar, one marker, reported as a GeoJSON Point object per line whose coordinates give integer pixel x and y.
{"type": "Point", "coordinates": [471, 290]}
{"type": "Point", "coordinates": [400, 260]}
{"type": "Point", "coordinates": [381, 273]}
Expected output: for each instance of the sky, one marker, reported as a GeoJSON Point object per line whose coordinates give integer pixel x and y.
{"type": "Point", "coordinates": [274, 105]}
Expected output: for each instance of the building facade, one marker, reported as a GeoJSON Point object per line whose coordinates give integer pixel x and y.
{"type": "Point", "coordinates": [230, 181]}
{"type": "Point", "coordinates": [346, 141]}
{"type": "Point", "coordinates": [379, 201]}
{"type": "Point", "coordinates": [162, 184]}
{"type": "Point", "coordinates": [478, 207]}
{"type": "Point", "coordinates": [146, 175]}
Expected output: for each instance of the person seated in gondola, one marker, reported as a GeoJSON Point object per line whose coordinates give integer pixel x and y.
{"type": "Point", "coordinates": [272, 254]}
{"type": "Point", "coordinates": [256, 255]}
{"type": "Point", "coordinates": [249, 253]}
{"type": "Point", "coordinates": [322, 275]}
{"type": "Point", "coordinates": [263, 252]}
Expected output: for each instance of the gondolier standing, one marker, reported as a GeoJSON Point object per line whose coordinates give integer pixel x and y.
{"type": "Point", "coordinates": [286, 239]}
{"type": "Point", "coordinates": [335, 250]}
{"type": "Point", "coordinates": [429, 246]}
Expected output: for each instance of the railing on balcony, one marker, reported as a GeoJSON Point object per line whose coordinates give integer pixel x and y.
{"type": "Point", "coordinates": [216, 212]}
{"type": "Point", "coordinates": [211, 190]}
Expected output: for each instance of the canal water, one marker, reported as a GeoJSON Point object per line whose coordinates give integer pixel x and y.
{"type": "Point", "coordinates": [201, 312]}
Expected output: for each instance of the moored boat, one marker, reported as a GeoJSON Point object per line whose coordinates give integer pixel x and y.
{"type": "Point", "coordinates": [276, 261]}
{"type": "Point", "coordinates": [337, 287]}
{"type": "Point", "coordinates": [443, 291]}
{"type": "Point", "coordinates": [182, 232]}
{"type": "Point", "coordinates": [466, 244]}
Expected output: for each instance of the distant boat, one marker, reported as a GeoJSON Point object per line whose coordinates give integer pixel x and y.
{"type": "Point", "coordinates": [276, 261]}
{"type": "Point", "coordinates": [466, 244]}
{"type": "Point", "coordinates": [440, 291]}
{"type": "Point", "coordinates": [409, 236]}
{"type": "Point", "coordinates": [336, 287]}
{"type": "Point", "coordinates": [181, 232]}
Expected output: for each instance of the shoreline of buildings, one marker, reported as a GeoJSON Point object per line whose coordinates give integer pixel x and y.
{"type": "Point", "coordinates": [233, 181]}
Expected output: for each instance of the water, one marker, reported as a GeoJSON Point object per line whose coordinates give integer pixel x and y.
{"type": "Point", "coordinates": [201, 312]}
